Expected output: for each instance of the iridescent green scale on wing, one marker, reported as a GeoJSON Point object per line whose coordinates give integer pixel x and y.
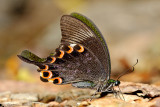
{"type": "Point", "coordinates": [31, 56]}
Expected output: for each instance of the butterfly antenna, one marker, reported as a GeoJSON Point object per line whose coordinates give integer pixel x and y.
{"type": "Point", "coordinates": [127, 72]}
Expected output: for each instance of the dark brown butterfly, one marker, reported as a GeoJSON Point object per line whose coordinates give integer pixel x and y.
{"type": "Point", "coordinates": [82, 59]}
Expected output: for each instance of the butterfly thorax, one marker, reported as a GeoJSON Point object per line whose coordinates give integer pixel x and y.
{"type": "Point", "coordinates": [115, 82]}
{"type": "Point", "coordinates": [107, 85]}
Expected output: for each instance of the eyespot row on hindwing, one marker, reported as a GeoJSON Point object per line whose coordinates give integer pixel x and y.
{"type": "Point", "coordinates": [51, 76]}
{"type": "Point", "coordinates": [62, 54]}
{"type": "Point", "coordinates": [56, 80]}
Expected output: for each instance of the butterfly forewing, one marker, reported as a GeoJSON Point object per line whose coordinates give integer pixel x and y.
{"type": "Point", "coordinates": [78, 29]}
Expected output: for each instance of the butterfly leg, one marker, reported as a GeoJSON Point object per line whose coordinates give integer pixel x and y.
{"type": "Point", "coordinates": [115, 93]}
{"type": "Point", "coordinates": [118, 94]}
{"type": "Point", "coordinates": [99, 89]}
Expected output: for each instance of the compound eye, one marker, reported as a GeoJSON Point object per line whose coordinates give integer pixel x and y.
{"type": "Point", "coordinates": [117, 83]}
{"type": "Point", "coordinates": [46, 74]}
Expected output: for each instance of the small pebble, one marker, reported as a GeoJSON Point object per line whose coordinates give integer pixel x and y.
{"type": "Point", "coordinates": [53, 103]}
{"type": "Point", "coordinates": [24, 96]}
{"type": "Point", "coordinates": [11, 104]}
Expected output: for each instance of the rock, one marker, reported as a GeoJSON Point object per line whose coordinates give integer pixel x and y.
{"type": "Point", "coordinates": [25, 96]}
{"type": "Point", "coordinates": [4, 96]}
{"type": "Point", "coordinates": [47, 97]}
{"type": "Point", "coordinates": [144, 89]}
{"type": "Point", "coordinates": [83, 104]}
{"type": "Point", "coordinates": [156, 102]}
{"type": "Point", "coordinates": [53, 103]}
{"type": "Point", "coordinates": [38, 104]}
{"type": "Point", "coordinates": [11, 104]}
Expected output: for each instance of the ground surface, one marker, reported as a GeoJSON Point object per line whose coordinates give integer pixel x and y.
{"type": "Point", "coordinates": [135, 95]}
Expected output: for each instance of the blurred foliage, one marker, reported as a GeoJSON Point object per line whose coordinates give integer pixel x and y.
{"type": "Point", "coordinates": [70, 5]}
{"type": "Point", "coordinates": [12, 66]}
{"type": "Point", "coordinates": [25, 75]}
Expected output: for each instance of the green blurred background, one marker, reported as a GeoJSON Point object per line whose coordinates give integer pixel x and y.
{"type": "Point", "coordinates": [130, 27]}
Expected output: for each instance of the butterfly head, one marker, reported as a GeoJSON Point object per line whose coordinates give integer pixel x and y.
{"type": "Point", "coordinates": [117, 82]}
{"type": "Point", "coordinates": [114, 82]}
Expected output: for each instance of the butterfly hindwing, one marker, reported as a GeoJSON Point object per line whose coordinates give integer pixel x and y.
{"type": "Point", "coordinates": [72, 71]}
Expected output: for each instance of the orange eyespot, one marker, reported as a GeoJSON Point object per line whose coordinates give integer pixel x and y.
{"type": "Point", "coordinates": [70, 49]}
{"type": "Point", "coordinates": [61, 55]}
{"type": "Point", "coordinates": [46, 67]}
{"type": "Point", "coordinates": [53, 59]}
{"type": "Point", "coordinates": [46, 74]}
{"type": "Point", "coordinates": [56, 80]}
{"type": "Point", "coordinates": [81, 49]}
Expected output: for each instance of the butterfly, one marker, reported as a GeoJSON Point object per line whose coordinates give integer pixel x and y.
{"type": "Point", "coordinates": [82, 58]}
